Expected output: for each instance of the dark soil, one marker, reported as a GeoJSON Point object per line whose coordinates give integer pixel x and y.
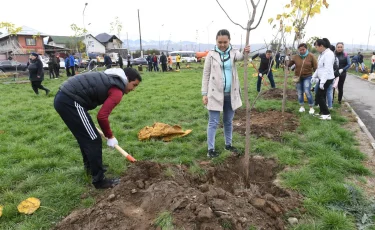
{"type": "Point", "coordinates": [270, 124]}
{"type": "Point", "coordinates": [277, 93]}
{"type": "Point", "coordinates": [215, 199]}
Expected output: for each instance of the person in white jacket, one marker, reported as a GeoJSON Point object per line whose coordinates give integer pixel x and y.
{"type": "Point", "coordinates": [324, 75]}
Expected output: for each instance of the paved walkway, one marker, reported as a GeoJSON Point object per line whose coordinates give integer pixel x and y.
{"type": "Point", "coordinates": [361, 96]}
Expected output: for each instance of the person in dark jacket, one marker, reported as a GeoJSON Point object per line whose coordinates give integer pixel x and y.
{"type": "Point", "coordinates": [57, 66]}
{"type": "Point", "coordinates": [149, 62]}
{"type": "Point", "coordinates": [360, 62]}
{"type": "Point", "coordinates": [265, 68]}
{"type": "Point", "coordinates": [51, 63]}
{"type": "Point", "coordinates": [67, 66]}
{"type": "Point", "coordinates": [107, 62]}
{"type": "Point", "coordinates": [128, 59]}
{"type": "Point", "coordinates": [155, 62]}
{"type": "Point", "coordinates": [72, 64]}
{"type": "Point", "coordinates": [36, 74]}
{"type": "Point", "coordinates": [277, 59]}
{"type": "Point", "coordinates": [85, 92]}
{"type": "Point", "coordinates": [163, 61]}
{"type": "Point", "coordinates": [120, 61]}
{"type": "Point", "coordinates": [344, 65]}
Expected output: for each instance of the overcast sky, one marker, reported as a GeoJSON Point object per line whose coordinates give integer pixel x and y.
{"type": "Point", "coordinates": [344, 20]}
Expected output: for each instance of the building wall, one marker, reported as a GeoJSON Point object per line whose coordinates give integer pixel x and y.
{"type": "Point", "coordinates": [38, 48]}
{"type": "Point", "coordinates": [93, 46]}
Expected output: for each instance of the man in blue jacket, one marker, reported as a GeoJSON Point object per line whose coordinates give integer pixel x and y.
{"type": "Point", "coordinates": [71, 64]}
{"type": "Point", "coordinates": [265, 68]}
{"type": "Point", "coordinates": [107, 62]}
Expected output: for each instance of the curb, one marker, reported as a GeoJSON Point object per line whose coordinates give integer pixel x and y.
{"type": "Point", "coordinates": [362, 126]}
{"type": "Point", "coordinates": [362, 79]}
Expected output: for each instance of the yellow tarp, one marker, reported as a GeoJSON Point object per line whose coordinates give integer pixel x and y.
{"type": "Point", "coordinates": [162, 131]}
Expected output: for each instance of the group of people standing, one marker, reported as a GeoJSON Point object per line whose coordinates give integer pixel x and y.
{"type": "Point", "coordinates": [166, 62]}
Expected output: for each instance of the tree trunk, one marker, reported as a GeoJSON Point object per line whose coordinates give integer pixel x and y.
{"type": "Point", "coordinates": [285, 82]}
{"type": "Point", "coordinates": [246, 158]}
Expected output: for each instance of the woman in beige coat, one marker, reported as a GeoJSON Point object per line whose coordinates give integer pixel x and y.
{"type": "Point", "coordinates": [221, 89]}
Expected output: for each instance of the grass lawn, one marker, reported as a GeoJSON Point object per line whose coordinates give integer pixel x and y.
{"type": "Point", "coordinates": [40, 158]}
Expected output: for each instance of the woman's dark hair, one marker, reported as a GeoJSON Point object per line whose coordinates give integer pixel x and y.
{"type": "Point", "coordinates": [331, 47]}
{"type": "Point", "coordinates": [323, 42]}
{"type": "Point", "coordinates": [302, 45]}
{"type": "Point", "coordinates": [339, 43]}
{"type": "Point", "coordinates": [223, 32]}
{"type": "Point", "coordinates": [132, 74]}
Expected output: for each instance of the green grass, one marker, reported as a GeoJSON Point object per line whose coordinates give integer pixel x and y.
{"type": "Point", "coordinates": [39, 156]}
{"type": "Point", "coordinates": [164, 221]}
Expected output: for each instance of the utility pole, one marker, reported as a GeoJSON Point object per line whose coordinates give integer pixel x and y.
{"type": "Point", "coordinates": [368, 40]}
{"type": "Point", "coordinates": [140, 36]}
{"type": "Point", "coordinates": [127, 40]}
{"type": "Point", "coordinates": [84, 27]}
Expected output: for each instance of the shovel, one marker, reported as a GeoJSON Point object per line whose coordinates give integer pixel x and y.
{"type": "Point", "coordinates": [118, 148]}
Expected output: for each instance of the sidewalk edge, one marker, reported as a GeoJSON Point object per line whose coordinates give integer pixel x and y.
{"type": "Point", "coordinates": [362, 126]}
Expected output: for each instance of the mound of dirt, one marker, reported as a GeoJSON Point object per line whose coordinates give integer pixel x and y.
{"type": "Point", "coordinates": [215, 199]}
{"type": "Point", "coordinates": [277, 93]}
{"type": "Point", "coordinates": [270, 124]}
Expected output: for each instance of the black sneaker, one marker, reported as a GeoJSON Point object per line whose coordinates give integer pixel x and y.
{"type": "Point", "coordinates": [231, 148]}
{"type": "Point", "coordinates": [106, 183]}
{"type": "Point", "coordinates": [47, 91]}
{"type": "Point", "coordinates": [212, 153]}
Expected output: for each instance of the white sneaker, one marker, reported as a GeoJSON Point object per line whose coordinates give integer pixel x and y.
{"type": "Point", "coordinates": [311, 111]}
{"type": "Point", "coordinates": [325, 117]}
{"type": "Point", "coordinates": [301, 110]}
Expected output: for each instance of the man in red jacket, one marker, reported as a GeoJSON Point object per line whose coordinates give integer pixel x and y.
{"type": "Point", "coordinates": [85, 92]}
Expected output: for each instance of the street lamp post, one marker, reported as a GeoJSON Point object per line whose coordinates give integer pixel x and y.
{"type": "Point", "coordinates": [161, 27]}
{"type": "Point", "coordinates": [84, 27]}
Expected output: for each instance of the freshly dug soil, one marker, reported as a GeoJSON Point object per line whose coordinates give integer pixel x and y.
{"type": "Point", "coordinates": [277, 93]}
{"type": "Point", "coordinates": [270, 124]}
{"type": "Point", "coordinates": [214, 199]}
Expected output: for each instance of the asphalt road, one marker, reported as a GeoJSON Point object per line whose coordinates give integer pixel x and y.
{"type": "Point", "coordinates": [361, 96]}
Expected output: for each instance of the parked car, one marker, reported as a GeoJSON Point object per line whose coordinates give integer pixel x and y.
{"type": "Point", "coordinates": [10, 66]}
{"type": "Point", "coordinates": [62, 63]}
{"type": "Point", "coordinates": [137, 61]}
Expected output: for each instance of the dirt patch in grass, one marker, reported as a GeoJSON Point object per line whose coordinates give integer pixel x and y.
{"type": "Point", "coordinates": [270, 124]}
{"type": "Point", "coordinates": [214, 197]}
{"type": "Point", "coordinates": [277, 93]}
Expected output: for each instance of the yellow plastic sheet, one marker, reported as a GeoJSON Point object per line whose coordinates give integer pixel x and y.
{"type": "Point", "coordinates": [162, 131]}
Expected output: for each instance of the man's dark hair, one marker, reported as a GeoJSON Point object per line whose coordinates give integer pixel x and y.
{"type": "Point", "coordinates": [132, 74]}
{"type": "Point", "coordinates": [373, 53]}
{"type": "Point", "coordinates": [302, 45]}
{"type": "Point", "coordinates": [323, 42]}
{"type": "Point", "coordinates": [223, 32]}
{"type": "Point", "coordinates": [269, 52]}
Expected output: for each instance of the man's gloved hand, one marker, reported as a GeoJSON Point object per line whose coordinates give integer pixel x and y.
{"type": "Point", "coordinates": [260, 75]}
{"type": "Point", "coordinates": [321, 86]}
{"type": "Point", "coordinates": [111, 142]}
{"type": "Point", "coordinates": [250, 60]}
{"type": "Point", "coordinates": [340, 71]}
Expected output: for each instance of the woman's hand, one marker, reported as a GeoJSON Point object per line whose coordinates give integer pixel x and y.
{"type": "Point", "coordinates": [205, 100]}
{"type": "Point", "coordinates": [247, 49]}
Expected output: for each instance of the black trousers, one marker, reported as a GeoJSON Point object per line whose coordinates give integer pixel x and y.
{"type": "Point", "coordinates": [340, 87]}
{"type": "Point", "coordinates": [128, 65]}
{"type": "Point", "coordinates": [68, 74]}
{"type": "Point", "coordinates": [73, 71]}
{"type": "Point", "coordinates": [51, 72]}
{"type": "Point", "coordinates": [178, 65]}
{"type": "Point", "coordinates": [150, 67]}
{"type": "Point", "coordinates": [57, 70]}
{"type": "Point", "coordinates": [321, 98]}
{"type": "Point", "coordinates": [164, 67]}
{"type": "Point", "coordinates": [277, 64]}
{"type": "Point", "coordinates": [37, 85]}
{"type": "Point", "coordinates": [83, 128]}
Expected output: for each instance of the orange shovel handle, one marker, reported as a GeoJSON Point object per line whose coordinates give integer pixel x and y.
{"type": "Point", "coordinates": [118, 148]}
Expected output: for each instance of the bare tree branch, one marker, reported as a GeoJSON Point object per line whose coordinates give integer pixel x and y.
{"type": "Point", "coordinates": [253, 4]}
{"type": "Point", "coordinates": [229, 17]}
{"type": "Point", "coordinates": [248, 11]}
{"type": "Point", "coordinates": [257, 3]}
{"type": "Point", "coordinates": [260, 19]}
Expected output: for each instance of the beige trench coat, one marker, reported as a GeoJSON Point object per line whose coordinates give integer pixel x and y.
{"type": "Point", "coordinates": [212, 82]}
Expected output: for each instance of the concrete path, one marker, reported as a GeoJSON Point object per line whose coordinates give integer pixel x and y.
{"type": "Point", "coordinates": [361, 96]}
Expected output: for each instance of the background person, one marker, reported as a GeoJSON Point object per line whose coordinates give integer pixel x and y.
{"type": "Point", "coordinates": [265, 68]}
{"type": "Point", "coordinates": [178, 61]}
{"type": "Point", "coordinates": [372, 62]}
{"type": "Point", "coordinates": [344, 65]}
{"type": "Point", "coordinates": [306, 64]}
{"type": "Point", "coordinates": [36, 73]}
{"type": "Point", "coordinates": [323, 75]}
{"type": "Point", "coordinates": [221, 89]}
